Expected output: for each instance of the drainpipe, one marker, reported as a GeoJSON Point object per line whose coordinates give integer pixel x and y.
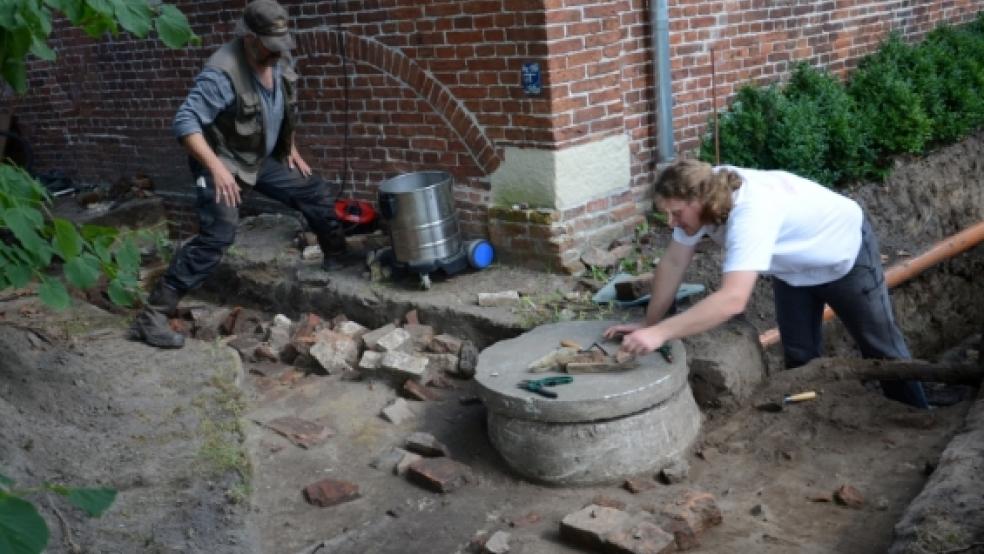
{"type": "Point", "coordinates": [902, 272]}
{"type": "Point", "coordinates": [660, 30]}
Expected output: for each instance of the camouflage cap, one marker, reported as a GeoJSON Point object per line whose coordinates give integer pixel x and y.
{"type": "Point", "coordinates": [268, 21]}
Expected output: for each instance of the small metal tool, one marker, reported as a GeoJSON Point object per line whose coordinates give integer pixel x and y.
{"type": "Point", "coordinates": [538, 385]}
{"type": "Point", "coordinates": [666, 352]}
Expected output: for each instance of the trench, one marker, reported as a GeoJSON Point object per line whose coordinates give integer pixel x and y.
{"type": "Point", "coordinates": [783, 468]}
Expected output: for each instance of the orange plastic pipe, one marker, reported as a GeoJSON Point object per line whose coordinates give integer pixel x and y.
{"type": "Point", "coordinates": [902, 272]}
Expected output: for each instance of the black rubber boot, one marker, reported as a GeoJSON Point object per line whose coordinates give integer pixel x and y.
{"type": "Point", "coordinates": [333, 247]}
{"type": "Point", "coordinates": [151, 324]}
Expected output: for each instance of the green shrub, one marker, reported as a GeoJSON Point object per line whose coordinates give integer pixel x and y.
{"type": "Point", "coordinates": [846, 152]}
{"type": "Point", "coordinates": [745, 128]}
{"type": "Point", "coordinates": [890, 107]}
{"type": "Point", "coordinates": [900, 100]}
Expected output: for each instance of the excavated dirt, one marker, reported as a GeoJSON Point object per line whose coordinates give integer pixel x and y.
{"type": "Point", "coordinates": [82, 405]}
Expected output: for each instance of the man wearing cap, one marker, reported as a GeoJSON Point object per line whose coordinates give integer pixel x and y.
{"type": "Point", "coordinates": [237, 124]}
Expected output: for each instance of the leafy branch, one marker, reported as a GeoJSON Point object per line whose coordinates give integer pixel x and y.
{"type": "Point", "coordinates": [25, 26]}
{"type": "Point", "coordinates": [23, 530]}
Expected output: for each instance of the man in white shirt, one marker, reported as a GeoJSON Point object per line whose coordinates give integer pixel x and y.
{"type": "Point", "coordinates": [815, 244]}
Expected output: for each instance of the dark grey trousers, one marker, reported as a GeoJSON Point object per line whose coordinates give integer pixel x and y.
{"type": "Point", "coordinates": [861, 301]}
{"type": "Point", "coordinates": [217, 223]}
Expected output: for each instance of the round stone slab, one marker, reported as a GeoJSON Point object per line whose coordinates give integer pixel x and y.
{"type": "Point", "coordinates": [592, 396]}
{"type": "Point", "coordinates": [598, 452]}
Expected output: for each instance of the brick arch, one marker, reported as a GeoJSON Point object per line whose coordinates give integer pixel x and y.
{"type": "Point", "coordinates": [396, 64]}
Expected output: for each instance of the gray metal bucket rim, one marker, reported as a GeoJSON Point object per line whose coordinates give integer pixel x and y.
{"type": "Point", "coordinates": [446, 178]}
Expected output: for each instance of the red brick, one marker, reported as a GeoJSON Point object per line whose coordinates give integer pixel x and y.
{"type": "Point", "coordinates": [330, 492]}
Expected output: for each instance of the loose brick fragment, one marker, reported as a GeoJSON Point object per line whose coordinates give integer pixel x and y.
{"type": "Point", "coordinates": [525, 520]}
{"type": "Point", "coordinates": [690, 515]}
{"type": "Point", "coordinates": [404, 365]}
{"type": "Point", "coordinates": [370, 360]}
{"type": "Point", "coordinates": [330, 492]}
{"type": "Point", "coordinates": [643, 537]}
{"type": "Point", "coordinates": [635, 486]}
{"type": "Point", "coordinates": [846, 495]}
{"type": "Point", "coordinates": [498, 543]}
{"type": "Point", "coordinates": [351, 329]}
{"type": "Point", "coordinates": [444, 344]}
{"type": "Point", "coordinates": [398, 412]}
{"type": "Point", "coordinates": [443, 363]}
{"type": "Point", "coordinates": [397, 340]}
{"type": "Point", "coordinates": [415, 391]}
{"type": "Point", "coordinates": [370, 339]}
{"type": "Point", "coordinates": [589, 526]}
{"type": "Point", "coordinates": [420, 335]}
{"type": "Point", "coordinates": [299, 431]}
{"type": "Point", "coordinates": [408, 459]}
{"type": "Point", "coordinates": [439, 474]}
{"type": "Point", "coordinates": [426, 445]}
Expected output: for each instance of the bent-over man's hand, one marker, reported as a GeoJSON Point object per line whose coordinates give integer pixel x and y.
{"type": "Point", "coordinates": [295, 161]}
{"type": "Point", "coordinates": [226, 187]}
{"type": "Point", "coordinates": [642, 341]}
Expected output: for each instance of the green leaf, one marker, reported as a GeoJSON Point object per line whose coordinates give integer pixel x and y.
{"type": "Point", "coordinates": [41, 49]}
{"type": "Point", "coordinates": [67, 242]}
{"type": "Point", "coordinates": [15, 74]}
{"type": "Point", "coordinates": [38, 18]}
{"type": "Point", "coordinates": [6, 481]}
{"type": "Point", "coordinates": [23, 222]}
{"type": "Point", "coordinates": [22, 531]}
{"type": "Point", "coordinates": [104, 7]}
{"type": "Point", "coordinates": [82, 271]}
{"type": "Point", "coordinates": [120, 294]}
{"type": "Point", "coordinates": [134, 16]}
{"type": "Point", "coordinates": [128, 256]}
{"type": "Point", "coordinates": [93, 232]}
{"type": "Point", "coordinates": [53, 294]}
{"type": "Point", "coordinates": [74, 10]}
{"type": "Point", "coordinates": [93, 501]}
{"type": "Point", "coordinates": [172, 26]}
{"type": "Point", "coordinates": [18, 275]}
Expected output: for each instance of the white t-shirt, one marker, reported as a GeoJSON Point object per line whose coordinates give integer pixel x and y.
{"type": "Point", "coordinates": [786, 226]}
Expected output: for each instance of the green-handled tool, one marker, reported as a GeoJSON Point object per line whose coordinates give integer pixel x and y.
{"type": "Point", "coordinates": [538, 385]}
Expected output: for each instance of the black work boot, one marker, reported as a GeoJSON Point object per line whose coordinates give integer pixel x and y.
{"type": "Point", "coordinates": [151, 324]}
{"type": "Point", "coordinates": [333, 247]}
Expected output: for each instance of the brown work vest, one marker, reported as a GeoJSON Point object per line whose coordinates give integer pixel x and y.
{"type": "Point", "coordinates": [237, 136]}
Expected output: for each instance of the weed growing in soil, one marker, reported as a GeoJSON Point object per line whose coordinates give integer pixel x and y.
{"type": "Point", "coordinates": [220, 408]}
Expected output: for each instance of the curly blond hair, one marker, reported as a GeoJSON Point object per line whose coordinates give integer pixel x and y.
{"type": "Point", "coordinates": [696, 180]}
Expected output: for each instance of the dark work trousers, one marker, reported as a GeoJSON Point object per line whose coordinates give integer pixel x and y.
{"type": "Point", "coordinates": [217, 223]}
{"type": "Point", "coordinates": [861, 301]}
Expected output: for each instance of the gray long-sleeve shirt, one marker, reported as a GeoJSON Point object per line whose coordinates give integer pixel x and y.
{"type": "Point", "coordinates": [213, 93]}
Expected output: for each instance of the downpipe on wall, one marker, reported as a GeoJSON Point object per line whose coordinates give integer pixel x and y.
{"type": "Point", "coordinates": [660, 39]}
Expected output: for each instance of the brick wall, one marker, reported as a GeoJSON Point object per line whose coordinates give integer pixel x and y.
{"type": "Point", "coordinates": [437, 85]}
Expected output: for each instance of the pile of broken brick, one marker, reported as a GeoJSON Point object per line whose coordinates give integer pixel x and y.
{"type": "Point", "coordinates": [410, 355]}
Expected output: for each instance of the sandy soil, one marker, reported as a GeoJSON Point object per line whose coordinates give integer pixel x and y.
{"type": "Point", "coordinates": [90, 407]}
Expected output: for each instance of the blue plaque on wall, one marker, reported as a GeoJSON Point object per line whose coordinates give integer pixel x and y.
{"type": "Point", "coordinates": [531, 78]}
